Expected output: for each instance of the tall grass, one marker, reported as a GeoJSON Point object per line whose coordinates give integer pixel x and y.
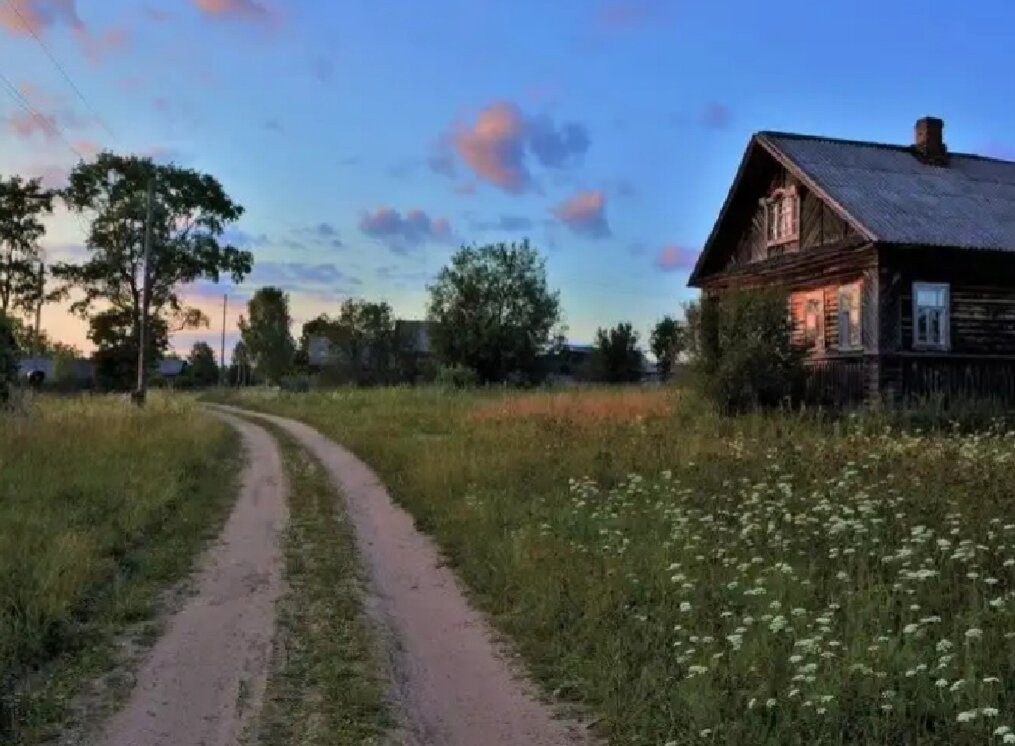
{"type": "Point", "coordinates": [769, 579]}
{"type": "Point", "coordinates": [101, 506]}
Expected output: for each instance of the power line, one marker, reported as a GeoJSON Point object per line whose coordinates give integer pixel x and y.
{"type": "Point", "coordinates": [27, 26]}
{"type": "Point", "coordinates": [48, 125]}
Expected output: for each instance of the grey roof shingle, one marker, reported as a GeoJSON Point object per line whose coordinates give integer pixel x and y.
{"type": "Point", "coordinates": [970, 203]}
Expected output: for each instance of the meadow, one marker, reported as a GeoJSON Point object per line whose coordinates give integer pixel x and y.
{"type": "Point", "coordinates": [691, 579]}
{"type": "Point", "coordinates": [102, 507]}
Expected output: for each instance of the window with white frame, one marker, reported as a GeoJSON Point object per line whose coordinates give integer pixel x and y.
{"type": "Point", "coordinates": [814, 319]}
{"type": "Point", "coordinates": [930, 315]}
{"type": "Point", "coordinates": [849, 317]}
{"type": "Point", "coordinates": [782, 220]}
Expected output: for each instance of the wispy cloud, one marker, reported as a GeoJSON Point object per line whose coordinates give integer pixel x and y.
{"type": "Point", "coordinates": [616, 15]}
{"type": "Point", "coordinates": [234, 9]}
{"type": "Point", "coordinates": [674, 258]}
{"type": "Point", "coordinates": [716, 115]}
{"type": "Point", "coordinates": [505, 223]}
{"type": "Point", "coordinates": [585, 214]}
{"type": "Point", "coordinates": [37, 17]}
{"type": "Point", "coordinates": [497, 146]}
{"type": "Point", "coordinates": [400, 231]}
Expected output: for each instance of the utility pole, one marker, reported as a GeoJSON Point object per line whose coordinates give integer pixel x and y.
{"type": "Point", "coordinates": [222, 349]}
{"type": "Point", "coordinates": [142, 377]}
{"type": "Point", "coordinates": [38, 312]}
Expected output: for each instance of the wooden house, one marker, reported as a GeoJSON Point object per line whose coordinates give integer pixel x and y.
{"type": "Point", "coordinates": [898, 260]}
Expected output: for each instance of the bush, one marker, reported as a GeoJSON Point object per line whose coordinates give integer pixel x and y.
{"type": "Point", "coordinates": [456, 377]}
{"type": "Point", "coordinates": [8, 360]}
{"type": "Point", "coordinates": [298, 384]}
{"type": "Point", "coordinates": [744, 354]}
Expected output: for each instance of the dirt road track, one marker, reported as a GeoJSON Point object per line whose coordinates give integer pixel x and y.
{"type": "Point", "coordinates": [452, 686]}
{"type": "Point", "coordinates": [206, 675]}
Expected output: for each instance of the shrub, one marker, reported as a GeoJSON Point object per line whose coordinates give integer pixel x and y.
{"type": "Point", "coordinates": [8, 360]}
{"type": "Point", "coordinates": [299, 384]}
{"type": "Point", "coordinates": [744, 353]}
{"type": "Point", "coordinates": [456, 377]}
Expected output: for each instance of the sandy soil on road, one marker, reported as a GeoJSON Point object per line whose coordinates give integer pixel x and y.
{"type": "Point", "coordinates": [206, 675]}
{"type": "Point", "coordinates": [452, 685]}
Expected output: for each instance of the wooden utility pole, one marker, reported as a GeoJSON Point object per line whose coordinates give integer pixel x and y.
{"type": "Point", "coordinates": [142, 375]}
{"type": "Point", "coordinates": [38, 312]}
{"type": "Point", "coordinates": [222, 349]}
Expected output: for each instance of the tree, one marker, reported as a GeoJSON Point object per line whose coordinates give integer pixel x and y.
{"type": "Point", "coordinates": [266, 334]}
{"type": "Point", "coordinates": [362, 335]}
{"type": "Point", "coordinates": [240, 366]}
{"type": "Point", "coordinates": [23, 203]}
{"type": "Point", "coordinates": [666, 343]}
{"type": "Point", "coordinates": [492, 311]}
{"type": "Point", "coordinates": [745, 356]}
{"type": "Point", "coordinates": [190, 212]}
{"type": "Point", "coordinates": [8, 360]}
{"type": "Point", "coordinates": [202, 370]}
{"type": "Point", "coordinates": [113, 332]}
{"type": "Point", "coordinates": [617, 358]}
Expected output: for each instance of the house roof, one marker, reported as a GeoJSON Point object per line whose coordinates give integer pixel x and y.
{"type": "Point", "coordinates": [170, 367]}
{"type": "Point", "coordinates": [898, 198]}
{"type": "Point", "coordinates": [414, 336]}
{"type": "Point", "coordinates": [891, 196]}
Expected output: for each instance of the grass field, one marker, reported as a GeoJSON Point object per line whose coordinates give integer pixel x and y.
{"type": "Point", "coordinates": [324, 687]}
{"type": "Point", "coordinates": [697, 580]}
{"type": "Point", "coordinates": [101, 508]}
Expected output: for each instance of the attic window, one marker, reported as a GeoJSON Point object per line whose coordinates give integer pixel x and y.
{"type": "Point", "coordinates": [782, 216]}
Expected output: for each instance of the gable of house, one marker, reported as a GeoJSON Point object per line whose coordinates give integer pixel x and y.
{"type": "Point", "coordinates": [856, 192]}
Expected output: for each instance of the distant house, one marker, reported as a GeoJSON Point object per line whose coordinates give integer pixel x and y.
{"type": "Point", "coordinates": [568, 363]}
{"type": "Point", "coordinates": [78, 372]}
{"type": "Point", "coordinates": [170, 368]}
{"type": "Point", "coordinates": [899, 260]}
{"type": "Point", "coordinates": [414, 349]}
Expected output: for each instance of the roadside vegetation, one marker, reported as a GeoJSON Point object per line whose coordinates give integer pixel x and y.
{"type": "Point", "coordinates": [325, 685]}
{"type": "Point", "coordinates": [696, 579]}
{"type": "Point", "coordinates": [102, 507]}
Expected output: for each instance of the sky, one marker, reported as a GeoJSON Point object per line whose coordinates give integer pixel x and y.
{"type": "Point", "coordinates": [368, 139]}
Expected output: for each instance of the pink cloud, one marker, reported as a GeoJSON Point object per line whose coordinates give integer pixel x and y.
{"type": "Point", "coordinates": [400, 231]}
{"type": "Point", "coordinates": [494, 147]}
{"type": "Point", "coordinates": [244, 9]}
{"type": "Point", "coordinates": [585, 214]}
{"type": "Point", "coordinates": [97, 46]}
{"type": "Point", "coordinates": [87, 148]}
{"type": "Point", "coordinates": [36, 17]}
{"type": "Point", "coordinates": [674, 258]}
{"type": "Point", "coordinates": [26, 17]}
{"type": "Point", "coordinates": [49, 115]}
{"type": "Point", "coordinates": [716, 115]}
{"type": "Point", "coordinates": [626, 14]}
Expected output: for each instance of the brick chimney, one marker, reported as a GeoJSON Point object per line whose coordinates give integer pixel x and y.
{"type": "Point", "coordinates": [928, 141]}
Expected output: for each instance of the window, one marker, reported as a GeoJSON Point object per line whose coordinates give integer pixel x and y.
{"type": "Point", "coordinates": [781, 216]}
{"type": "Point", "coordinates": [814, 319]}
{"type": "Point", "coordinates": [849, 317]}
{"type": "Point", "coordinates": [930, 315]}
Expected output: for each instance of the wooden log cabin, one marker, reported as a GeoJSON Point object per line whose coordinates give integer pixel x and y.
{"type": "Point", "coordinates": [898, 260]}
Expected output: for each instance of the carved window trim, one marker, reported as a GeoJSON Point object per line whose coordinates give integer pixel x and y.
{"type": "Point", "coordinates": [849, 315]}
{"type": "Point", "coordinates": [932, 319]}
{"type": "Point", "coordinates": [782, 216]}
{"type": "Point", "coordinates": [814, 308]}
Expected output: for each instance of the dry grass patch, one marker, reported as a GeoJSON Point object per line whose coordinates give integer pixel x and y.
{"type": "Point", "coordinates": [581, 407]}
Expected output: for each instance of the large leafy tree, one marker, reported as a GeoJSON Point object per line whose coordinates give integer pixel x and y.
{"type": "Point", "coordinates": [202, 370]}
{"type": "Point", "coordinates": [190, 212]}
{"type": "Point", "coordinates": [23, 204]}
{"type": "Point", "coordinates": [666, 343]}
{"type": "Point", "coordinates": [265, 332]}
{"type": "Point", "coordinates": [617, 358]}
{"type": "Point", "coordinates": [113, 332]}
{"type": "Point", "coordinates": [492, 310]}
{"type": "Point", "coordinates": [363, 338]}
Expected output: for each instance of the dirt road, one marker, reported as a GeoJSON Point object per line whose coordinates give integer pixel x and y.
{"type": "Point", "coordinates": [206, 675]}
{"type": "Point", "coordinates": [451, 684]}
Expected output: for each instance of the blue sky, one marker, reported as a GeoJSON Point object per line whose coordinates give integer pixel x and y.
{"type": "Point", "coordinates": [368, 138]}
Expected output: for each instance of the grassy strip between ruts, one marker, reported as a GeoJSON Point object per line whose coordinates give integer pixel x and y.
{"type": "Point", "coordinates": [102, 508]}
{"type": "Point", "coordinates": [769, 579]}
{"type": "Point", "coordinates": [324, 687]}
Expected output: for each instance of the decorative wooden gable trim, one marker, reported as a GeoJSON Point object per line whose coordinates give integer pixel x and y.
{"type": "Point", "coordinates": [759, 146]}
